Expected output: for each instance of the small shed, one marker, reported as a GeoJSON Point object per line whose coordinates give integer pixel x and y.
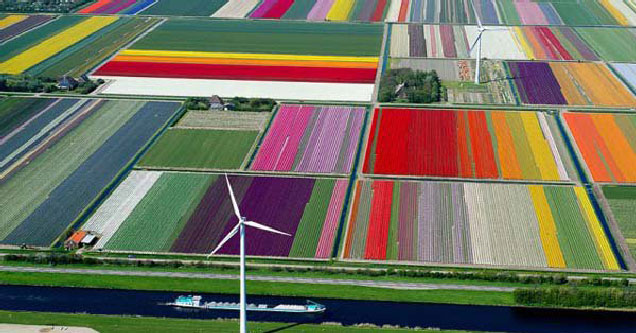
{"type": "Point", "coordinates": [75, 241]}
{"type": "Point", "coordinates": [67, 83]}
{"type": "Point", "coordinates": [89, 239]}
{"type": "Point", "coordinates": [216, 103]}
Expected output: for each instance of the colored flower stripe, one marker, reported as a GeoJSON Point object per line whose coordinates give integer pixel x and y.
{"type": "Point", "coordinates": [272, 9]}
{"type": "Point", "coordinates": [325, 243]}
{"type": "Point", "coordinates": [251, 62]}
{"type": "Point", "coordinates": [236, 72]}
{"type": "Point", "coordinates": [340, 10]}
{"type": "Point", "coordinates": [54, 45]}
{"type": "Point", "coordinates": [469, 144]}
{"type": "Point", "coordinates": [11, 20]}
{"type": "Point", "coordinates": [542, 155]}
{"type": "Point", "coordinates": [603, 246]}
{"type": "Point", "coordinates": [30, 22]}
{"type": "Point", "coordinates": [379, 221]}
{"type": "Point", "coordinates": [606, 145]}
{"type": "Point", "coordinates": [506, 149]}
{"type": "Point", "coordinates": [352, 222]}
{"type": "Point", "coordinates": [306, 138]}
{"type": "Point", "coordinates": [547, 228]}
{"type": "Point", "coordinates": [224, 55]}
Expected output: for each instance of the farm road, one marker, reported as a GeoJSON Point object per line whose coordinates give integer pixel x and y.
{"type": "Point", "coordinates": [283, 279]}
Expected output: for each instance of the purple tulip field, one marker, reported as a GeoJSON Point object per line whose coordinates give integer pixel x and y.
{"type": "Point", "coordinates": [191, 212]}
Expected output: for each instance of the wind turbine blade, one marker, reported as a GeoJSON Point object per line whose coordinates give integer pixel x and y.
{"type": "Point", "coordinates": [227, 238]}
{"type": "Point", "coordinates": [229, 189]}
{"type": "Point", "coordinates": [265, 228]}
{"type": "Point", "coordinates": [474, 43]}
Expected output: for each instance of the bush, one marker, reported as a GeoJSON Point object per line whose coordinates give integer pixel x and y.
{"type": "Point", "coordinates": [197, 103]}
{"type": "Point", "coordinates": [253, 104]}
{"type": "Point", "coordinates": [577, 297]}
{"type": "Point", "coordinates": [407, 85]}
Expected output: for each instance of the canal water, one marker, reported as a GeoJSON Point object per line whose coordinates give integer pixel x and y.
{"type": "Point", "coordinates": [347, 312]}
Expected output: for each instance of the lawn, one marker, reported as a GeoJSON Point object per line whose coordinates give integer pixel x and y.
{"type": "Point", "coordinates": [200, 149]}
{"type": "Point", "coordinates": [258, 288]}
{"type": "Point", "coordinates": [117, 324]}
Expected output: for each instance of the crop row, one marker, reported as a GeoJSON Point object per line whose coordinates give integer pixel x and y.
{"type": "Point", "coordinates": [520, 43]}
{"type": "Point", "coordinates": [513, 12]}
{"type": "Point", "coordinates": [473, 223]}
{"type": "Point", "coordinates": [607, 143]}
{"type": "Point", "coordinates": [311, 138]}
{"type": "Point", "coordinates": [466, 144]}
{"type": "Point", "coordinates": [569, 83]}
{"type": "Point", "coordinates": [56, 178]}
{"type": "Point", "coordinates": [194, 213]}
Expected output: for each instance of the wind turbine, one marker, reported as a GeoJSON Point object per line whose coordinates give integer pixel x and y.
{"type": "Point", "coordinates": [240, 227]}
{"type": "Point", "coordinates": [477, 43]}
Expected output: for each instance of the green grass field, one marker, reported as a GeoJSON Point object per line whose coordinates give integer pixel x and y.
{"type": "Point", "coordinates": [622, 201]}
{"type": "Point", "coordinates": [273, 37]}
{"type": "Point", "coordinates": [120, 324]}
{"type": "Point", "coordinates": [192, 285]}
{"type": "Point", "coordinates": [611, 44]}
{"type": "Point", "coordinates": [200, 149]}
{"type": "Point", "coordinates": [185, 8]}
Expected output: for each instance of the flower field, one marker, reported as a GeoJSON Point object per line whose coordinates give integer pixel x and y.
{"type": "Point", "coordinates": [607, 143]}
{"type": "Point", "coordinates": [477, 223]}
{"type": "Point", "coordinates": [13, 25]}
{"type": "Point", "coordinates": [311, 138]}
{"type": "Point", "coordinates": [628, 73]}
{"type": "Point", "coordinates": [73, 56]}
{"type": "Point", "coordinates": [466, 144]}
{"type": "Point", "coordinates": [569, 83]}
{"type": "Point", "coordinates": [515, 43]}
{"type": "Point", "coordinates": [622, 202]}
{"type": "Point", "coordinates": [180, 148]}
{"type": "Point", "coordinates": [513, 12]}
{"type": "Point", "coordinates": [53, 45]}
{"type": "Point", "coordinates": [194, 212]}
{"type": "Point", "coordinates": [130, 7]}
{"type": "Point", "coordinates": [257, 55]}
{"type": "Point", "coordinates": [42, 153]}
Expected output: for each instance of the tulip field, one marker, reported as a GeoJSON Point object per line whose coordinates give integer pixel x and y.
{"type": "Point", "coordinates": [68, 45]}
{"type": "Point", "coordinates": [607, 143]}
{"type": "Point", "coordinates": [569, 83]}
{"type": "Point", "coordinates": [69, 150]}
{"type": "Point", "coordinates": [13, 25]}
{"type": "Point", "coordinates": [520, 43]}
{"type": "Point", "coordinates": [476, 223]}
{"type": "Point", "coordinates": [466, 144]}
{"type": "Point", "coordinates": [514, 12]}
{"type": "Point", "coordinates": [193, 213]}
{"type": "Point", "coordinates": [311, 138]}
{"type": "Point", "coordinates": [129, 7]}
{"type": "Point", "coordinates": [628, 73]}
{"type": "Point", "coordinates": [55, 44]}
{"type": "Point", "coordinates": [251, 56]}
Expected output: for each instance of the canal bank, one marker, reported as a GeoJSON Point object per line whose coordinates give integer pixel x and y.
{"type": "Point", "coordinates": [346, 312]}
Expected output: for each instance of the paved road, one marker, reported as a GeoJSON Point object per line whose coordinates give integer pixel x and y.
{"type": "Point", "coordinates": [341, 282]}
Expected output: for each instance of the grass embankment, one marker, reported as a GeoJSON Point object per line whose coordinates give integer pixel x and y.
{"type": "Point", "coordinates": [256, 288]}
{"type": "Point", "coordinates": [117, 324]}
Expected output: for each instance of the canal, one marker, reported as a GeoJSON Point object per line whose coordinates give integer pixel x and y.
{"type": "Point", "coordinates": [347, 312]}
